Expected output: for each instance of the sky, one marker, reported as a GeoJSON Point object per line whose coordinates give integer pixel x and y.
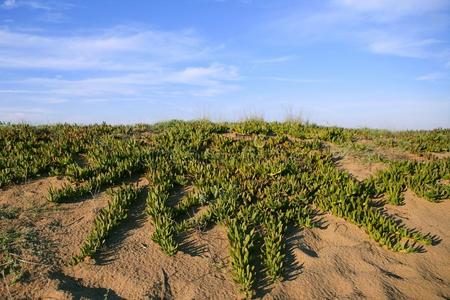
{"type": "Point", "coordinates": [352, 63]}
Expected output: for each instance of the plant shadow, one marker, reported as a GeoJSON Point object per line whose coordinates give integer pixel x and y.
{"type": "Point", "coordinates": [136, 219]}
{"type": "Point", "coordinates": [78, 291]}
{"type": "Point", "coordinates": [292, 267]}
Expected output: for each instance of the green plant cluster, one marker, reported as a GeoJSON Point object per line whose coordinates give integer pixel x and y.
{"type": "Point", "coordinates": [106, 220]}
{"type": "Point", "coordinates": [252, 126]}
{"type": "Point", "coordinates": [273, 253]}
{"type": "Point", "coordinates": [346, 198]}
{"type": "Point", "coordinates": [161, 178]}
{"type": "Point", "coordinates": [27, 152]}
{"type": "Point", "coordinates": [415, 141]}
{"type": "Point", "coordinates": [122, 159]}
{"type": "Point", "coordinates": [424, 178]}
{"type": "Point", "coordinates": [241, 238]}
{"type": "Point", "coordinates": [437, 140]}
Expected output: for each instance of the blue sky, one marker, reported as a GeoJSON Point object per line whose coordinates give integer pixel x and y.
{"type": "Point", "coordinates": [352, 63]}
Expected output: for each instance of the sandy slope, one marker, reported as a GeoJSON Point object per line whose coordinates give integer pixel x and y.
{"type": "Point", "coordinates": [338, 261]}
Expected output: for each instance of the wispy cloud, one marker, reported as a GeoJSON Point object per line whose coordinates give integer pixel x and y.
{"type": "Point", "coordinates": [204, 75]}
{"type": "Point", "coordinates": [120, 48]}
{"type": "Point", "coordinates": [24, 114]}
{"type": "Point", "coordinates": [435, 76]}
{"type": "Point", "coordinates": [48, 11]}
{"type": "Point", "coordinates": [291, 80]}
{"type": "Point", "coordinates": [123, 62]}
{"type": "Point", "coordinates": [387, 10]}
{"type": "Point", "coordinates": [52, 17]}
{"type": "Point", "coordinates": [8, 4]}
{"type": "Point", "coordinates": [11, 4]}
{"type": "Point", "coordinates": [408, 28]}
{"type": "Point", "coordinates": [195, 81]}
{"type": "Point", "coordinates": [273, 60]}
{"type": "Point", "coordinates": [382, 43]}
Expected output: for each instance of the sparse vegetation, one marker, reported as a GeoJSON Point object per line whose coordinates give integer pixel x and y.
{"type": "Point", "coordinates": [9, 262]}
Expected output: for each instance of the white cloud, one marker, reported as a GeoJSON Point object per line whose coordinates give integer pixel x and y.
{"type": "Point", "coordinates": [273, 60]}
{"type": "Point", "coordinates": [384, 10]}
{"type": "Point", "coordinates": [204, 76]}
{"type": "Point", "coordinates": [118, 64]}
{"type": "Point", "coordinates": [291, 80]}
{"type": "Point", "coordinates": [44, 11]}
{"type": "Point", "coordinates": [431, 76]}
{"type": "Point", "coordinates": [52, 17]}
{"type": "Point", "coordinates": [409, 28]}
{"type": "Point", "coordinates": [395, 44]}
{"type": "Point", "coordinates": [10, 4]}
{"type": "Point", "coordinates": [120, 48]}
{"type": "Point", "coordinates": [24, 114]}
{"type": "Point", "coordinates": [165, 82]}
